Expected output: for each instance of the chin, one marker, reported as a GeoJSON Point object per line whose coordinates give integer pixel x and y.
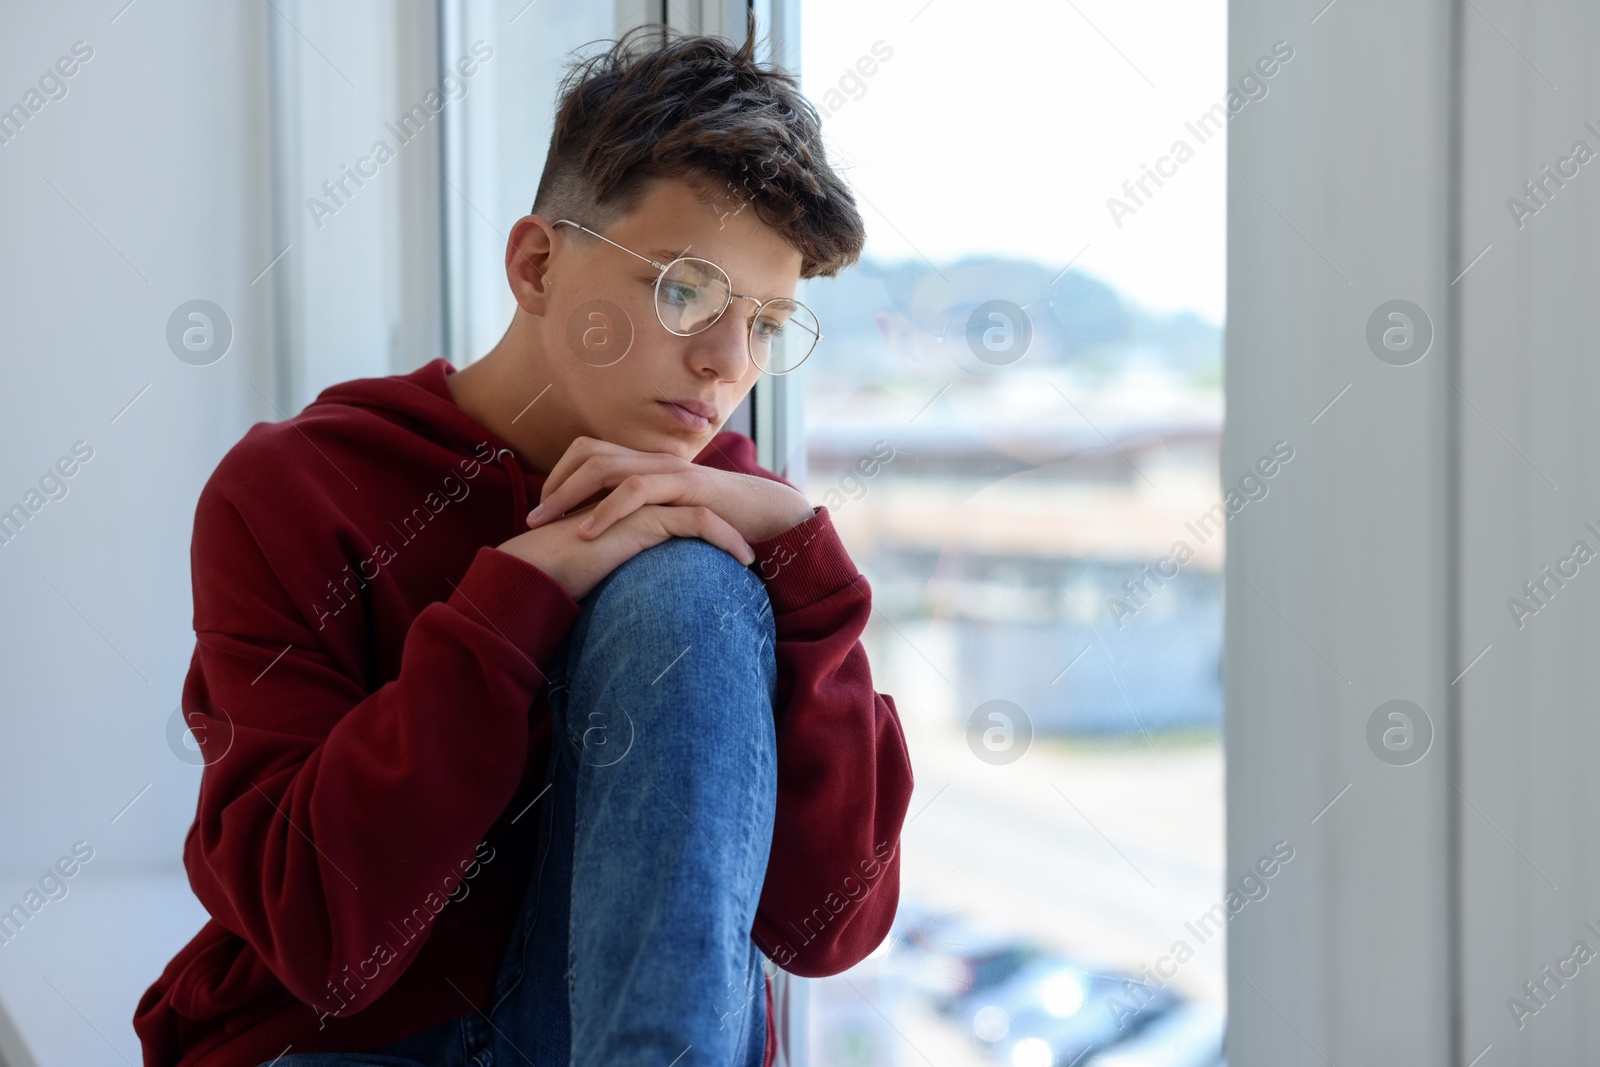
{"type": "Point", "coordinates": [683, 447]}
{"type": "Point", "coordinates": [680, 445]}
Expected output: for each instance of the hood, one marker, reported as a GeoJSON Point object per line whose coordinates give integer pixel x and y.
{"type": "Point", "coordinates": [421, 398]}
{"type": "Point", "coordinates": [424, 416]}
{"type": "Point", "coordinates": [424, 427]}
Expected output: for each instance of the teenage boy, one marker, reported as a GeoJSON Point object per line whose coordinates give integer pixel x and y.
{"type": "Point", "coordinates": [489, 782]}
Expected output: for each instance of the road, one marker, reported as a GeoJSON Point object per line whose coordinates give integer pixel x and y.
{"type": "Point", "coordinates": [1104, 851]}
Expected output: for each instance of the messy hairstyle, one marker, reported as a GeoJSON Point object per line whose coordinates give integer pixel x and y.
{"type": "Point", "coordinates": [661, 104]}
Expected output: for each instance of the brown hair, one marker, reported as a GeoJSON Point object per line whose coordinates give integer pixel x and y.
{"type": "Point", "coordinates": [661, 104]}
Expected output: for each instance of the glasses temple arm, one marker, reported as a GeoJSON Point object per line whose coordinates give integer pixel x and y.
{"type": "Point", "coordinates": [609, 241]}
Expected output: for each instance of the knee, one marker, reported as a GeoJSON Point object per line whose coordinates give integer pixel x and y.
{"type": "Point", "coordinates": [688, 589]}
{"type": "Point", "coordinates": [685, 627]}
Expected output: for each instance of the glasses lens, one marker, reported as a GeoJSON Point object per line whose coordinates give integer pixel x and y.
{"type": "Point", "coordinates": [690, 295]}
{"type": "Point", "coordinates": [782, 336]}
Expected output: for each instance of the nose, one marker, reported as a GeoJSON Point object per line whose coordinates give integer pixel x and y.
{"type": "Point", "coordinates": [723, 349]}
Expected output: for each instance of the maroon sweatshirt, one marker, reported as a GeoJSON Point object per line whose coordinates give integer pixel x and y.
{"type": "Point", "coordinates": [368, 687]}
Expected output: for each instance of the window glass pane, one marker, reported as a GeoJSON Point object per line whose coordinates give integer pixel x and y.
{"type": "Point", "coordinates": [1015, 419]}
{"type": "Point", "coordinates": [495, 148]}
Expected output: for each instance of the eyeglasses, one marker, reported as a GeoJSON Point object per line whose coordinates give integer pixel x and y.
{"type": "Point", "coordinates": [691, 294]}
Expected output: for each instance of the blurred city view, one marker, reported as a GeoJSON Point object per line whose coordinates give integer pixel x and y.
{"type": "Point", "coordinates": [1024, 493]}
{"type": "Point", "coordinates": [1012, 452]}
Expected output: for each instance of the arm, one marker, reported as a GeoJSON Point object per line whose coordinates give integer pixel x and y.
{"type": "Point", "coordinates": [327, 818]}
{"type": "Point", "coordinates": [844, 776]}
{"type": "Point", "coordinates": [844, 773]}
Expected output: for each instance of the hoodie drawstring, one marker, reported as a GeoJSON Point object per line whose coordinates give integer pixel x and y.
{"type": "Point", "coordinates": [519, 492]}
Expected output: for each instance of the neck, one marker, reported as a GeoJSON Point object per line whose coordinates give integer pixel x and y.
{"type": "Point", "coordinates": [510, 392]}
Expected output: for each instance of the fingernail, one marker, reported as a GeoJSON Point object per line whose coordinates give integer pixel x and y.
{"type": "Point", "coordinates": [587, 524]}
{"type": "Point", "coordinates": [537, 510]}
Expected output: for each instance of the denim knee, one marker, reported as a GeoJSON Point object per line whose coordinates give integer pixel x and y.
{"type": "Point", "coordinates": [683, 630]}
{"type": "Point", "coordinates": [686, 588]}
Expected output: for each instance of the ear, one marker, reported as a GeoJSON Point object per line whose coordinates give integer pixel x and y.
{"type": "Point", "coordinates": [528, 255]}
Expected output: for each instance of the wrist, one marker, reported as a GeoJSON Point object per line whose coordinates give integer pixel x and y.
{"type": "Point", "coordinates": [522, 547]}
{"type": "Point", "coordinates": [529, 580]}
{"type": "Point", "coordinates": [789, 511]}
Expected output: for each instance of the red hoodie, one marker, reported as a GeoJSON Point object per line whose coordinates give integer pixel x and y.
{"type": "Point", "coordinates": [368, 687]}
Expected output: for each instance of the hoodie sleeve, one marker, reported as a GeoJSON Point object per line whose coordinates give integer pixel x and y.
{"type": "Point", "coordinates": [328, 819]}
{"type": "Point", "coordinates": [844, 773]}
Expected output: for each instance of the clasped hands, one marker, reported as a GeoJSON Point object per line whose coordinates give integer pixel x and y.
{"type": "Point", "coordinates": [644, 498]}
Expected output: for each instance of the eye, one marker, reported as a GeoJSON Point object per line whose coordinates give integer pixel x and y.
{"type": "Point", "coordinates": [769, 323]}
{"type": "Point", "coordinates": [677, 293]}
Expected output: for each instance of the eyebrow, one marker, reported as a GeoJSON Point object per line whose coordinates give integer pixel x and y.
{"type": "Point", "coordinates": [667, 255]}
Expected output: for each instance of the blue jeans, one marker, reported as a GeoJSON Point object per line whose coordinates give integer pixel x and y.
{"type": "Point", "coordinates": [633, 943]}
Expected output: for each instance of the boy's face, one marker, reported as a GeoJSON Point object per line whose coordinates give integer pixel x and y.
{"type": "Point", "coordinates": [615, 365]}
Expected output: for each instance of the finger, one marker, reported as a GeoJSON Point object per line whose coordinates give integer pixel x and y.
{"type": "Point", "coordinates": [578, 452]}
{"type": "Point", "coordinates": [595, 475]}
{"type": "Point", "coordinates": [705, 524]}
{"type": "Point", "coordinates": [632, 493]}
{"type": "Point", "coordinates": [586, 449]}
{"type": "Point", "coordinates": [583, 448]}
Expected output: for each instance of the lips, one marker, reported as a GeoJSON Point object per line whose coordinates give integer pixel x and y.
{"type": "Point", "coordinates": [697, 407]}
{"type": "Point", "coordinates": [695, 416]}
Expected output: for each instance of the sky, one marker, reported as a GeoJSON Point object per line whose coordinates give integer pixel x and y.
{"type": "Point", "coordinates": [1003, 128]}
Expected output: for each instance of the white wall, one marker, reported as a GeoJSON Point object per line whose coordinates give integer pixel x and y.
{"type": "Point", "coordinates": [1417, 504]}
{"type": "Point", "coordinates": [176, 167]}
{"type": "Point", "coordinates": [146, 186]}
{"type": "Point", "coordinates": [1529, 368]}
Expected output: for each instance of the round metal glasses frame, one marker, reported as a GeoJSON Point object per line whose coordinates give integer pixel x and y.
{"type": "Point", "coordinates": [662, 269]}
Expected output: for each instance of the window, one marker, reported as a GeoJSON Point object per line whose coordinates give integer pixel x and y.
{"type": "Point", "coordinates": [1015, 420]}
{"type": "Point", "coordinates": [494, 150]}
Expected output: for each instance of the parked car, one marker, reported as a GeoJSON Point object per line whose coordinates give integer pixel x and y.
{"type": "Point", "coordinates": [1051, 1010]}
{"type": "Point", "coordinates": [1029, 1006]}
{"type": "Point", "coordinates": [944, 956]}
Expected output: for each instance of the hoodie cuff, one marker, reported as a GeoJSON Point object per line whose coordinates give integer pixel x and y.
{"type": "Point", "coordinates": [523, 603]}
{"type": "Point", "coordinates": [804, 564]}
